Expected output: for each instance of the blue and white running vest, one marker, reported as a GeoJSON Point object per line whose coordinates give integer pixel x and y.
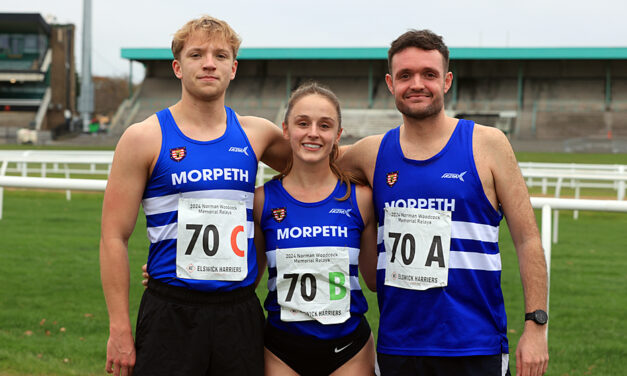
{"type": "Point", "coordinates": [466, 317]}
{"type": "Point", "coordinates": [290, 224]}
{"type": "Point", "coordinates": [224, 168]}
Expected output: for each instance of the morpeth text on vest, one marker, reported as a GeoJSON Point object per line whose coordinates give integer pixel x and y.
{"type": "Point", "coordinates": [209, 174]}
{"type": "Point", "coordinates": [444, 204]}
{"type": "Point", "coordinates": [312, 231]}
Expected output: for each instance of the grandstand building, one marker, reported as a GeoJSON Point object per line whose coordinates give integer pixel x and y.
{"type": "Point", "coordinates": [37, 75]}
{"type": "Point", "coordinates": [529, 93]}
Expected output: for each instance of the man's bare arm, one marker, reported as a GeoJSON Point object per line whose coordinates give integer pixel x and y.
{"type": "Point", "coordinates": [360, 158]}
{"type": "Point", "coordinates": [368, 243]}
{"type": "Point", "coordinates": [267, 140]}
{"type": "Point", "coordinates": [125, 186]}
{"type": "Point", "coordinates": [260, 241]}
{"type": "Point", "coordinates": [511, 191]}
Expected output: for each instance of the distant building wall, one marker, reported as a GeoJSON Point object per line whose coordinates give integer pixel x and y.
{"type": "Point", "coordinates": [37, 73]}
{"type": "Point", "coordinates": [62, 75]}
{"type": "Point", "coordinates": [548, 98]}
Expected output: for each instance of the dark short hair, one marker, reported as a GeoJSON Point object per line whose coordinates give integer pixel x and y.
{"type": "Point", "coordinates": [423, 39]}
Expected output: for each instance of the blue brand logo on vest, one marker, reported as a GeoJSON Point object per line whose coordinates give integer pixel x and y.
{"type": "Point", "coordinates": [450, 175]}
{"type": "Point", "coordinates": [346, 212]}
{"type": "Point", "coordinates": [235, 149]}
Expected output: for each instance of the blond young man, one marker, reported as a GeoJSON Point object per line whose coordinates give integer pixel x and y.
{"type": "Point", "coordinates": [441, 187]}
{"type": "Point", "coordinates": [192, 166]}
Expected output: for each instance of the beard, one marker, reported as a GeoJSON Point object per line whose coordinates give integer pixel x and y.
{"type": "Point", "coordinates": [430, 110]}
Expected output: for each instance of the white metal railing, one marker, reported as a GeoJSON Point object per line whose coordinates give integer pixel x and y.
{"type": "Point", "coordinates": [575, 175]}
{"type": "Point", "coordinates": [27, 164]}
{"type": "Point", "coordinates": [578, 176]}
{"type": "Point", "coordinates": [47, 183]}
{"type": "Point", "coordinates": [53, 183]}
{"type": "Point", "coordinates": [59, 164]}
{"type": "Point", "coordinates": [554, 175]}
{"type": "Point", "coordinates": [571, 166]}
{"type": "Point", "coordinates": [547, 204]}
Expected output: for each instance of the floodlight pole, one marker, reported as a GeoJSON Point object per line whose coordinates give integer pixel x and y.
{"type": "Point", "coordinates": [86, 100]}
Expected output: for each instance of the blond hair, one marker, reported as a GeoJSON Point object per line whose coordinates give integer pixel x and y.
{"type": "Point", "coordinates": [212, 28]}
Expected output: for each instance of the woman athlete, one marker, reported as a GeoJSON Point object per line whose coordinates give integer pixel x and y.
{"type": "Point", "coordinates": [313, 228]}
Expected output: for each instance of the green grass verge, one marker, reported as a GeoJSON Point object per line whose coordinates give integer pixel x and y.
{"type": "Point", "coordinates": [53, 319]}
{"type": "Point", "coordinates": [588, 295]}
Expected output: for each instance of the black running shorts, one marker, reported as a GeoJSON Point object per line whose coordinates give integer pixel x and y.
{"type": "Point", "coordinates": [483, 365]}
{"type": "Point", "coordinates": [188, 333]}
{"type": "Point", "coordinates": [310, 356]}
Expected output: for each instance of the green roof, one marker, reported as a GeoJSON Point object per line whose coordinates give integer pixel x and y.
{"type": "Point", "coordinates": [539, 53]}
{"type": "Point", "coordinates": [270, 53]}
{"type": "Point", "coordinates": [380, 53]}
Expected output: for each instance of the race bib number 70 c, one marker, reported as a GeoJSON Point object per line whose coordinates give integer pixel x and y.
{"type": "Point", "coordinates": [417, 246]}
{"type": "Point", "coordinates": [212, 241]}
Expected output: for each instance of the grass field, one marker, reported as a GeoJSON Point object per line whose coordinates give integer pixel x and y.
{"type": "Point", "coordinates": [53, 319]}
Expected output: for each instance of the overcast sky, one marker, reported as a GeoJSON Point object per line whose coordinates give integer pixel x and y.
{"type": "Point", "coordinates": [339, 23]}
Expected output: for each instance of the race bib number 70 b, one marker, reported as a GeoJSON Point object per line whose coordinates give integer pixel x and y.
{"type": "Point", "coordinates": [417, 246]}
{"type": "Point", "coordinates": [212, 241]}
{"type": "Point", "coordinates": [314, 284]}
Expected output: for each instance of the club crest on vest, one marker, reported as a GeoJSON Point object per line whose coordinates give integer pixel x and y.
{"type": "Point", "coordinates": [177, 154]}
{"type": "Point", "coordinates": [279, 214]}
{"type": "Point", "coordinates": [392, 178]}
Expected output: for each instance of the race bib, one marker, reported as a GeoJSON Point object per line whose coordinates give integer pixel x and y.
{"type": "Point", "coordinates": [212, 240]}
{"type": "Point", "coordinates": [314, 284]}
{"type": "Point", "coordinates": [417, 246]}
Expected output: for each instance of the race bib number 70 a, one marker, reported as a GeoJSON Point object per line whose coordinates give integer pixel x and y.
{"type": "Point", "coordinates": [212, 241]}
{"type": "Point", "coordinates": [417, 246]}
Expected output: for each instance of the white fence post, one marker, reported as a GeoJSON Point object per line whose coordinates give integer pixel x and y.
{"type": "Point", "coordinates": [3, 171]}
{"type": "Point", "coordinates": [261, 173]}
{"type": "Point", "coordinates": [577, 195]}
{"type": "Point", "coordinates": [556, 213]}
{"type": "Point", "coordinates": [546, 246]}
{"type": "Point", "coordinates": [621, 184]}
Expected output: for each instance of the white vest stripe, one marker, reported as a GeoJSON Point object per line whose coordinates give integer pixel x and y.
{"type": "Point", "coordinates": [464, 230]}
{"type": "Point", "coordinates": [354, 283]}
{"type": "Point", "coordinates": [169, 203]}
{"type": "Point", "coordinates": [462, 260]}
{"type": "Point", "coordinates": [160, 233]}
